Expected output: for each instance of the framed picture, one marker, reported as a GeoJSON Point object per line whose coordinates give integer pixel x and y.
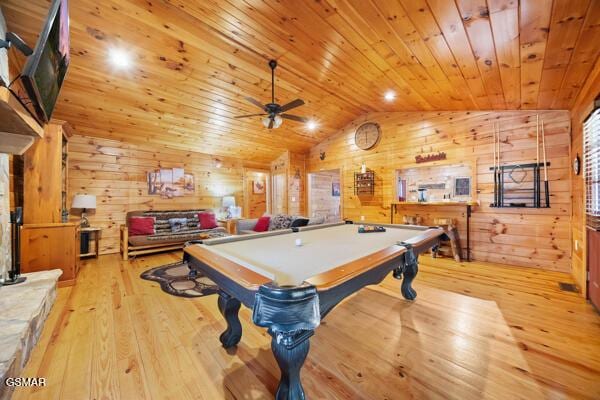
{"type": "Point", "coordinates": [153, 182]}
{"type": "Point", "coordinates": [189, 186]}
{"type": "Point", "coordinates": [335, 189]}
{"type": "Point", "coordinates": [170, 182]}
{"type": "Point", "coordinates": [258, 187]}
{"type": "Point", "coordinates": [462, 187]}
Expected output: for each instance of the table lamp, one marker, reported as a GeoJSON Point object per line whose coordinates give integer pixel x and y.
{"type": "Point", "coordinates": [228, 203]}
{"type": "Point", "coordinates": [84, 201]}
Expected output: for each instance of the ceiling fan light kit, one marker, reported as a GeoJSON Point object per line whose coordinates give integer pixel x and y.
{"type": "Point", "coordinates": [275, 122]}
{"type": "Point", "coordinates": [273, 113]}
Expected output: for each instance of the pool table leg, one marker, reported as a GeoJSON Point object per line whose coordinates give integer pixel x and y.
{"type": "Point", "coordinates": [229, 307]}
{"type": "Point", "coordinates": [290, 351]}
{"type": "Point", "coordinates": [408, 272]}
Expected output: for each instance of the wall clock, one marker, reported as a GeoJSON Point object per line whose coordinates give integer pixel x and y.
{"type": "Point", "coordinates": [577, 165]}
{"type": "Point", "coordinates": [367, 135]}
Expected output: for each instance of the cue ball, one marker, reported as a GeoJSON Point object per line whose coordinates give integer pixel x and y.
{"type": "Point", "coordinates": [298, 242]}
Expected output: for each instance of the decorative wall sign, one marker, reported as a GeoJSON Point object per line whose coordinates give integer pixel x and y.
{"type": "Point", "coordinates": [170, 182]}
{"type": "Point", "coordinates": [258, 187]}
{"type": "Point", "coordinates": [430, 157]}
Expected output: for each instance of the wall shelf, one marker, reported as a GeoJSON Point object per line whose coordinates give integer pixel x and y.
{"type": "Point", "coordinates": [18, 129]}
{"type": "Point", "coordinates": [364, 183]}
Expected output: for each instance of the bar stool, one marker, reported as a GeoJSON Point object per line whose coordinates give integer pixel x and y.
{"type": "Point", "coordinates": [451, 246]}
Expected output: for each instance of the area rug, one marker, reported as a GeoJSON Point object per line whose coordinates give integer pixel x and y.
{"type": "Point", "coordinates": [174, 279]}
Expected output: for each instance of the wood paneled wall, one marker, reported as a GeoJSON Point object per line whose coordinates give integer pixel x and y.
{"type": "Point", "coordinates": [116, 173]}
{"type": "Point", "coordinates": [527, 237]}
{"type": "Point", "coordinates": [582, 109]}
{"type": "Point", "coordinates": [297, 184]}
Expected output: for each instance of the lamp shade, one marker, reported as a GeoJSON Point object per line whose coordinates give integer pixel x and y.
{"type": "Point", "coordinates": [228, 201]}
{"type": "Point", "coordinates": [84, 201]}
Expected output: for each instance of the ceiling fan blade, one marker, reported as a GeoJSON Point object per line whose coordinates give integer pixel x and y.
{"type": "Point", "coordinates": [291, 104]}
{"type": "Point", "coordinates": [271, 122]}
{"type": "Point", "coordinates": [294, 117]}
{"type": "Point", "coordinates": [255, 102]}
{"type": "Point", "coordinates": [248, 115]}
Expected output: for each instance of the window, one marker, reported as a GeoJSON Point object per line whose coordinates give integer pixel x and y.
{"type": "Point", "coordinates": [591, 164]}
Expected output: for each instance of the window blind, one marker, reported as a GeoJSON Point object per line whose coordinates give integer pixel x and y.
{"type": "Point", "coordinates": [591, 167]}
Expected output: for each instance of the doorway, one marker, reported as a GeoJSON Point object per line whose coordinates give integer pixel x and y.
{"type": "Point", "coordinates": [325, 195]}
{"type": "Point", "coordinates": [256, 192]}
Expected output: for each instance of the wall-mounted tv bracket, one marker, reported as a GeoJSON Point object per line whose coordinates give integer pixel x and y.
{"type": "Point", "coordinates": [12, 39]}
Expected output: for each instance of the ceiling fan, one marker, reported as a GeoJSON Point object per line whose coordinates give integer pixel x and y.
{"type": "Point", "coordinates": [274, 112]}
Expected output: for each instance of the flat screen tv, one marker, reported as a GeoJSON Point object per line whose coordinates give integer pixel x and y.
{"type": "Point", "coordinates": [45, 70]}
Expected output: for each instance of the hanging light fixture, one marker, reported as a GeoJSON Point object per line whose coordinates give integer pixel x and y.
{"type": "Point", "coordinates": [277, 120]}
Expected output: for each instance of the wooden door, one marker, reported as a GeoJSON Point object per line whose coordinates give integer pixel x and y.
{"type": "Point", "coordinates": [593, 261]}
{"type": "Point", "coordinates": [256, 191]}
{"type": "Point", "coordinates": [279, 194]}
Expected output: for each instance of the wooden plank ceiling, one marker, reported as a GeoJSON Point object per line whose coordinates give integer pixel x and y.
{"type": "Point", "coordinates": [195, 61]}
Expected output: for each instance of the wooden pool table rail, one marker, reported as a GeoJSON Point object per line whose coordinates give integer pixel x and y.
{"type": "Point", "coordinates": [329, 279]}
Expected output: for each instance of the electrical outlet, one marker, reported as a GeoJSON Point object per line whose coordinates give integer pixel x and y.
{"type": "Point", "coordinates": [576, 245]}
{"type": "Point", "coordinates": [362, 217]}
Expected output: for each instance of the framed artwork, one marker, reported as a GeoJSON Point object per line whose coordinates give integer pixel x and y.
{"type": "Point", "coordinates": [170, 182]}
{"type": "Point", "coordinates": [188, 186]}
{"type": "Point", "coordinates": [258, 187]}
{"type": "Point", "coordinates": [153, 179]}
{"type": "Point", "coordinates": [462, 187]}
{"type": "Point", "coordinates": [335, 189]}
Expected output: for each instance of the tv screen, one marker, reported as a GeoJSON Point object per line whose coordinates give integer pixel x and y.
{"type": "Point", "coordinates": [45, 70]}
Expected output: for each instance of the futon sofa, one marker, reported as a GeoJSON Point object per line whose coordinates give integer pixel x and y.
{"type": "Point", "coordinates": [246, 226]}
{"type": "Point", "coordinates": [169, 231]}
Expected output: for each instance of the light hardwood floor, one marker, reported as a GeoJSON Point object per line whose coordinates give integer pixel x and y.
{"type": "Point", "coordinates": [475, 331]}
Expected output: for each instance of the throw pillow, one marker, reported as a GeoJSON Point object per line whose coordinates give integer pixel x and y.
{"type": "Point", "coordinates": [262, 225]}
{"type": "Point", "coordinates": [280, 221]}
{"type": "Point", "coordinates": [141, 226]}
{"type": "Point", "coordinates": [207, 220]}
{"type": "Point", "coordinates": [299, 222]}
{"type": "Point", "coordinates": [178, 224]}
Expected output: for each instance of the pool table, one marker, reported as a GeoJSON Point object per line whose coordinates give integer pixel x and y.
{"type": "Point", "coordinates": [291, 279]}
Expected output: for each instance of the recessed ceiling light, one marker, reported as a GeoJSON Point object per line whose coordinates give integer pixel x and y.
{"type": "Point", "coordinates": [311, 125]}
{"type": "Point", "coordinates": [389, 95]}
{"type": "Point", "coordinates": [119, 58]}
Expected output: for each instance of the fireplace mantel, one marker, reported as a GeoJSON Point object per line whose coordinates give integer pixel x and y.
{"type": "Point", "coordinates": [18, 129]}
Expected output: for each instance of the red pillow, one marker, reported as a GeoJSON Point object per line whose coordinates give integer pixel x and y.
{"type": "Point", "coordinates": [207, 220]}
{"type": "Point", "coordinates": [262, 225]}
{"type": "Point", "coordinates": [141, 226]}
